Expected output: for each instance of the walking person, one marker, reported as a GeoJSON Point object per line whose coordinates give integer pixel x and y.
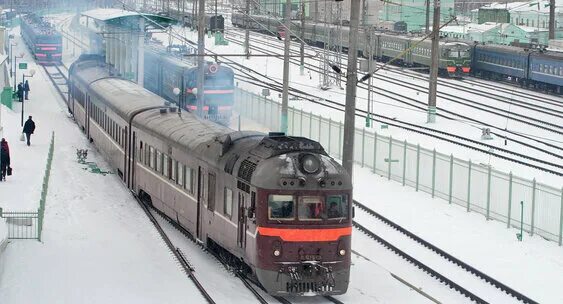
{"type": "Point", "coordinates": [26, 89]}
{"type": "Point", "coordinates": [19, 92]}
{"type": "Point", "coordinates": [28, 129]}
{"type": "Point", "coordinates": [4, 158]}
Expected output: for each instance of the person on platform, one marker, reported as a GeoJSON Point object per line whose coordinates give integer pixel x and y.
{"type": "Point", "coordinates": [28, 129]}
{"type": "Point", "coordinates": [26, 89]}
{"type": "Point", "coordinates": [19, 92]}
{"type": "Point", "coordinates": [4, 158]}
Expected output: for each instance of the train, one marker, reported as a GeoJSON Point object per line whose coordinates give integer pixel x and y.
{"type": "Point", "coordinates": [455, 56]}
{"type": "Point", "coordinates": [534, 68]}
{"type": "Point", "coordinates": [165, 70]}
{"type": "Point", "coordinates": [213, 23]}
{"type": "Point", "coordinates": [43, 40]}
{"type": "Point", "coordinates": [277, 206]}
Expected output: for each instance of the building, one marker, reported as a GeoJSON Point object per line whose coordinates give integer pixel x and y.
{"type": "Point", "coordinates": [413, 13]}
{"type": "Point", "coordinates": [530, 13]}
{"type": "Point", "coordinates": [497, 33]}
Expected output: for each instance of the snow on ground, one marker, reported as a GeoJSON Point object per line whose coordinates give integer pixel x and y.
{"type": "Point", "coordinates": [391, 108]}
{"type": "Point", "coordinates": [98, 246]}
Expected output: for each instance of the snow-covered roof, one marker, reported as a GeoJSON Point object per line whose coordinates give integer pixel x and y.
{"type": "Point", "coordinates": [530, 6]}
{"type": "Point", "coordinates": [509, 6]}
{"type": "Point", "coordinates": [107, 14]}
{"type": "Point", "coordinates": [530, 29]}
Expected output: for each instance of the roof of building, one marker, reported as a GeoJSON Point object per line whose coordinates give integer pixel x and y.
{"type": "Point", "coordinates": [529, 6]}
{"type": "Point", "coordinates": [112, 14]}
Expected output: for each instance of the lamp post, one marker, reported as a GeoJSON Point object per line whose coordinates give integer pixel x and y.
{"type": "Point", "coordinates": [31, 73]}
{"type": "Point", "coordinates": [10, 55]}
{"type": "Point", "coordinates": [177, 92]}
{"type": "Point", "coordinates": [16, 69]}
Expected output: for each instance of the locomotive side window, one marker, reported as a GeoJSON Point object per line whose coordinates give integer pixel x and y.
{"type": "Point", "coordinates": [173, 170]}
{"type": "Point", "coordinates": [151, 157]}
{"type": "Point", "coordinates": [211, 192]}
{"type": "Point", "coordinates": [281, 207]}
{"type": "Point", "coordinates": [165, 165]}
{"type": "Point", "coordinates": [189, 180]}
{"type": "Point", "coordinates": [337, 206]}
{"type": "Point", "coordinates": [228, 206]}
{"type": "Point", "coordinates": [310, 208]}
{"type": "Point", "coordinates": [180, 175]}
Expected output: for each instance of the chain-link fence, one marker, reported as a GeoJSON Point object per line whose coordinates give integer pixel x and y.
{"type": "Point", "coordinates": [477, 187]}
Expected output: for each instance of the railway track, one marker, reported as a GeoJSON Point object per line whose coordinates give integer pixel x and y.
{"type": "Point", "coordinates": [519, 117]}
{"type": "Point", "coordinates": [444, 82]}
{"type": "Point", "coordinates": [535, 147]}
{"type": "Point", "coordinates": [482, 282]}
{"type": "Point", "coordinates": [184, 264]}
{"type": "Point", "coordinates": [58, 78]}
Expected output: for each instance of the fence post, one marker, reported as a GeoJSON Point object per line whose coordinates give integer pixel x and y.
{"type": "Point", "coordinates": [433, 171]}
{"type": "Point", "coordinates": [451, 178]}
{"type": "Point", "coordinates": [363, 145]}
{"type": "Point", "coordinates": [489, 193]}
{"type": "Point", "coordinates": [340, 147]}
{"type": "Point", "coordinates": [560, 219]}
{"type": "Point", "coordinates": [469, 188]}
{"type": "Point", "coordinates": [533, 206]}
{"type": "Point", "coordinates": [301, 122]}
{"type": "Point", "coordinates": [311, 125]}
{"type": "Point", "coordinates": [417, 164]}
{"type": "Point", "coordinates": [509, 216]}
{"type": "Point", "coordinates": [389, 157]}
{"type": "Point", "coordinates": [404, 162]}
{"type": "Point", "coordinates": [329, 133]}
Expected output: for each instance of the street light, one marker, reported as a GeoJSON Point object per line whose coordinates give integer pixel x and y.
{"type": "Point", "coordinates": [31, 73]}
{"type": "Point", "coordinates": [10, 55]}
{"type": "Point", "coordinates": [177, 92]}
{"type": "Point", "coordinates": [16, 69]}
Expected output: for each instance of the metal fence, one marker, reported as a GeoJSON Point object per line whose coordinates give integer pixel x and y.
{"type": "Point", "coordinates": [21, 225]}
{"type": "Point", "coordinates": [29, 224]}
{"type": "Point", "coordinates": [477, 187]}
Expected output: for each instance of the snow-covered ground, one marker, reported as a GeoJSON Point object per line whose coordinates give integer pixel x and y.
{"type": "Point", "coordinates": [391, 84]}
{"type": "Point", "coordinates": [99, 247]}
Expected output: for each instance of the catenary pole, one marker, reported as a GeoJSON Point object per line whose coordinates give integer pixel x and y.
{"type": "Point", "coordinates": [427, 16]}
{"type": "Point", "coordinates": [302, 48]}
{"type": "Point", "coordinates": [551, 19]}
{"type": "Point", "coordinates": [247, 31]}
{"type": "Point", "coordinates": [434, 65]}
{"type": "Point", "coordinates": [200, 58]}
{"type": "Point", "coordinates": [285, 92]}
{"type": "Point", "coordinates": [351, 82]}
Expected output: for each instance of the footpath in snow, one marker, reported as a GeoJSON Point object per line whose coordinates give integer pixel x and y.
{"type": "Point", "coordinates": [98, 246]}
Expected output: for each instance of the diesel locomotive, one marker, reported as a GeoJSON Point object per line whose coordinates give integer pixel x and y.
{"type": "Point", "coordinates": [43, 40]}
{"type": "Point", "coordinates": [277, 206]}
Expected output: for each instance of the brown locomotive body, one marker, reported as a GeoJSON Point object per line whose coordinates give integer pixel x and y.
{"type": "Point", "coordinates": [278, 206]}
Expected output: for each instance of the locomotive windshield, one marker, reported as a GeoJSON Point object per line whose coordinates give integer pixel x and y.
{"type": "Point", "coordinates": [309, 208]}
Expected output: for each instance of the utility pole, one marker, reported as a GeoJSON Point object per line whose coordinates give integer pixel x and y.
{"type": "Point", "coordinates": [200, 58]}
{"type": "Point", "coordinates": [247, 31]}
{"type": "Point", "coordinates": [427, 16]}
{"type": "Point", "coordinates": [432, 90]}
{"type": "Point", "coordinates": [551, 19]}
{"type": "Point", "coordinates": [351, 83]}
{"type": "Point", "coordinates": [302, 48]}
{"type": "Point", "coordinates": [285, 92]}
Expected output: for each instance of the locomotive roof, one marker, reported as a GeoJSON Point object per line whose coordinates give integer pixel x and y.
{"type": "Point", "coordinates": [501, 48]}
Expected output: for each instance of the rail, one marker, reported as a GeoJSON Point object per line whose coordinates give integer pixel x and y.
{"type": "Point", "coordinates": [444, 255]}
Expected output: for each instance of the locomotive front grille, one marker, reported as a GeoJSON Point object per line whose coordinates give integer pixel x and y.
{"type": "Point", "coordinates": [304, 287]}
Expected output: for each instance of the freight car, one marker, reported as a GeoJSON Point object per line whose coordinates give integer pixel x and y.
{"type": "Point", "coordinates": [213, 23]}
{"type": "Point", "coordinates": [277, 206]}
{"type": "Point", "coordinates": [42, 39]}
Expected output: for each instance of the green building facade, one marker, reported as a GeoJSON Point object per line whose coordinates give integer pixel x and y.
{"type": "Point", "coordinates": [413, 12]}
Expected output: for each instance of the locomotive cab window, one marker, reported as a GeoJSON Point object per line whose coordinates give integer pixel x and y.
{"type": "Point", "coordinates": [337, 207]}
{"type": "Point", "coordinates": [310, 208]}
{"type": "Point", "coordinates": [281, 207]}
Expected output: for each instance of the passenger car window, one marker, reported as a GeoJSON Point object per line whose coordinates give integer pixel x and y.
{"type": "Point", "coordinates": [310, 208]}
{"type": "Point", "coordinates": [281, 207]}
{"type": "Point", "coordinates": [337, 206]}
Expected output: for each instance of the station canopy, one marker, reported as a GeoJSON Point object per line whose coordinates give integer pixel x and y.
{"type": "Point", "coordinates": [123, 18]}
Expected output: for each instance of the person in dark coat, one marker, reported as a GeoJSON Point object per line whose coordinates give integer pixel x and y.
{"type": "Point", "coordinates": [4, 158]}
{"type": "Point", "coordinates": [26, 89]}
{"type": "Point", "coordinates": [28, 129]}
{"type": "Point", "coordinates": [19, 92]}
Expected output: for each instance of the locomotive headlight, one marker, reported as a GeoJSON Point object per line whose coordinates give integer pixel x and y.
{"type": "Point", "coordinates": [310, 164]}
{"type": "Point", "coordinates": [342, 252]}
{"type": "Point", "coordinates": [277, 252]}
